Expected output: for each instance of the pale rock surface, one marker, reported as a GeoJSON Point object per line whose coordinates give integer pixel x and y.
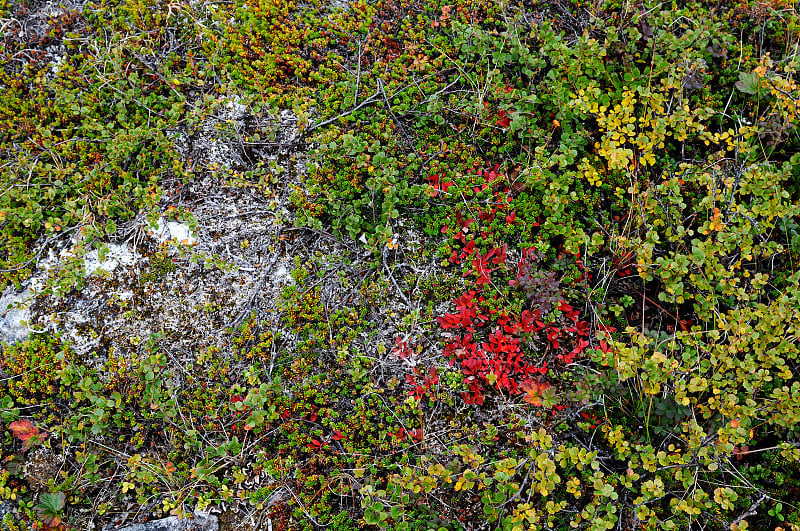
{"type": "Point", "coordinates": [117, 255]}
{"type": "Point", "coordinates": [15, 315]}
{"type": "Point", "coordinates": [200, 522]}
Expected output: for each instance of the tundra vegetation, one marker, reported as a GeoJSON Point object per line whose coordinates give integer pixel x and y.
{"type": "Point", "coordinates": [543, 263]}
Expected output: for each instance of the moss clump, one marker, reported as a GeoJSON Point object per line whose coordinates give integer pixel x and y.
{"type": "Point", "coordinates": [160, 265]}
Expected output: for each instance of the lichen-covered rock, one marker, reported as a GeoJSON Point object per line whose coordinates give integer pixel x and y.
{"type": "Point", "coordinates": [200, 522]}
{"type": "Point", "coordinates": [14, 315]}
{"type": "Point", "coordinates": [6, 511]}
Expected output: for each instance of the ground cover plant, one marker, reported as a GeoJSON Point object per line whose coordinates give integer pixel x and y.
{"type": "Point", "coordinates": [506, 264]}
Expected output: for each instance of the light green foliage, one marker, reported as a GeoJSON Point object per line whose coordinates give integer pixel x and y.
{"type": "Point", "coordinates": [645, 152]}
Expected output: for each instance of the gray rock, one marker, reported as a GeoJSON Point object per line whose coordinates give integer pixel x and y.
{"type": "Point", "coordinates": [14, 315]}
{"type": "Point", "coordinates": [200, 522]}
{"type": "Point", "coordinates": [116, 255]}
{"type": "Point", "coordinates": [5, 508]}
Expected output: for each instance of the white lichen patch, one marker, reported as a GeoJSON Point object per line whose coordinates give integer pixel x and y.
{"type": "Point", "coordinates": [15, 315]}
{"type": "Point", "coordinates": [115, 256]}
{"type": "Point", "coordinates": [219, 141]}
{"type": "Point", "coordinates": [282, 275]}
{"type": "Point", "coordinates": [173, 231]}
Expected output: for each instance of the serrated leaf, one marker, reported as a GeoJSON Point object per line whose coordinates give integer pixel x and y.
{"type": "Point", "coordinates": [533, 391]}
{"type": "Point", "coordinates": [26, 432]}
{"type": "Point", "coordinates": [51, 508]}
{"type": "Point", "coordinates": [23, 429]}
{"type": "Point", "coordinates": [748, 83]}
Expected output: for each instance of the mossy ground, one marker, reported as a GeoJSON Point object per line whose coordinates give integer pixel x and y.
{"type": "Point", "coordinates": [454, 265]}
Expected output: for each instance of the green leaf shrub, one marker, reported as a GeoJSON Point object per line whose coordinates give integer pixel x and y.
{"type": "Point", "coordinates": [647, 153]}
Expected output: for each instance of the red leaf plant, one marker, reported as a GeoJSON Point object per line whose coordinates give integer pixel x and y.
{"type": "Point", "coordinates": [486, 342]}
{"type": "Point", "coordinates": [26, 432]}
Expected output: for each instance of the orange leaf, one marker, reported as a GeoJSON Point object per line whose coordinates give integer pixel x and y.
{"type": "Point", "coordinates": [27, 433]}
{"type": "Point", "coordinates": [23, 429]}
{"type": "Point", "coordinates": [533, 391]}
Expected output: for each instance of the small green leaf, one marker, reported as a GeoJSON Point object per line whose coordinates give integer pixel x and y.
{"type": "Point", "coordinates": [699, 255]}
